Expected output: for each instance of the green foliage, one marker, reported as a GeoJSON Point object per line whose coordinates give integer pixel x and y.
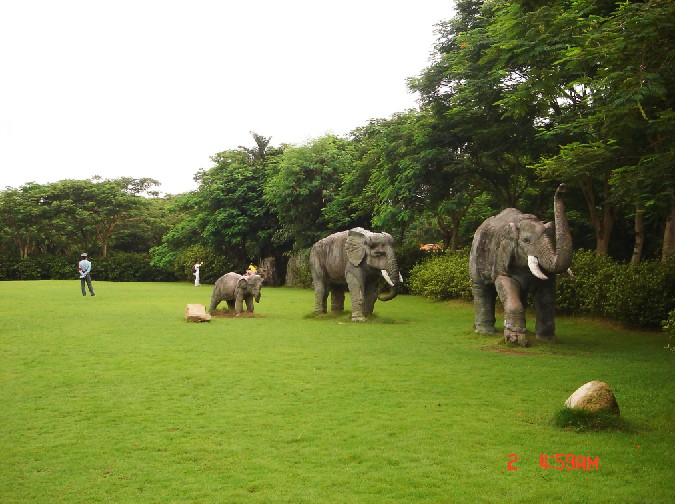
{"type": "Point", "coordinates": [128, 267]}
{"type": "Point", "coordinates": [304, 184]}
{"type": "Point", "coordinates": [43, 267]}
{"type": "Point", "coordinates": [299, 270]}
{"type": "Point", "coordinates": [116, 267]}
{"type": "Point", "coordinates": [588, 292]}
{"type": "Point", "coordinates": [408, 256]}
{"type": "Point", "coordinates": [443, 277]}
{"type": "Point", "coordinates": [580, 420]}
{"type": "Point", "coordinates": [215, 264]}
{"type": "Point", "coordinates": [669, 327]}
{"type": "Point", "coordinates": [640, 295]}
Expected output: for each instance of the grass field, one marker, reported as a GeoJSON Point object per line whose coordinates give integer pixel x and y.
{"type": "Point", "coordinates": [117, 398]}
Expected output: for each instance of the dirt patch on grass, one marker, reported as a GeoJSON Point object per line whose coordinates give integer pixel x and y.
{"type": "Point", "coordinates": [227, 314]}
{"type": "Point", "coordinates": [511, 351]}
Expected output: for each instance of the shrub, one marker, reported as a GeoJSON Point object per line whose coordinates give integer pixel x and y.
{"type": "Point", "coordinates": [42, 267]}
{"type": "Point", "coordinates": [669, 327]}
{"type": "Point", "coordinates": [116, 267]}
{"type": "Point", "coordinates": [642, 294]}
{"type": "Point", "coordinates": [215, 264]}
{"type": "Point", "coordinates": [128, 267]}
{"type": "Point", "coordinates": [298, 273]}
{"type": "Point", "coordinates": [442, 277]}
{"type": "Point", "coordinates": [588, 291]}
{"type": "Point", "coordinates": [408, 255]}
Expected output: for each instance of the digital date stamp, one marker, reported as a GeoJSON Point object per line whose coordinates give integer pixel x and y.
{"type": "Point", "coordinates": [560, 462]}
{"type": "Point", "coordinates": [569, 462]}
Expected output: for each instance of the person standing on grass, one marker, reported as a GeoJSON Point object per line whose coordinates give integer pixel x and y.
{"type": "Point", "coordinates": [195, 272]}
{"type": "Point", "coordinates": [84, 268]}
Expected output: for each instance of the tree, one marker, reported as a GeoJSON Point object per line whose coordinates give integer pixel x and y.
{"type": "Point", "coordinates": [413, 172]}
{"type": "Point", "coordinates": [600, 75]}
{"type": "Point", "coordinates": [23, 217]}
{"type": "Point", "coordinates": [304, 184]}
{"type": "Point", "coordinates": [464, 91]}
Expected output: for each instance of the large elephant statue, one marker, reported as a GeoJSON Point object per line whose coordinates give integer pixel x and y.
{"type": "Point", "coordinates": [512, 255]}
{"type": "Point", "coordinates": [235, 289]}
{"type": "Point", "coordinates": [353, 260]}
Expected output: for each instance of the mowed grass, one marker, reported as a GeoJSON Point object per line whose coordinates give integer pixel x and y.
{"type": "Point", "coordinates": [117, 398]}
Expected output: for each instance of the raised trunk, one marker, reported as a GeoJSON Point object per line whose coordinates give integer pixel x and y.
{"type": "Point", "coordinates": [559, 261]}
{"type": "Point", "coordinates": [394, 275]}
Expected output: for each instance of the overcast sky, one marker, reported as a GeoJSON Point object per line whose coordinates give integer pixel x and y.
{"type": "Point", "coordinates": [153, 88]}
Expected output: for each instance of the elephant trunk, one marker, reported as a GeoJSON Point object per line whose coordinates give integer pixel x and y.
{"type": "Point", "coordinates": [394, 277]}
{"type": "Point", "coordinates": [560, 259]}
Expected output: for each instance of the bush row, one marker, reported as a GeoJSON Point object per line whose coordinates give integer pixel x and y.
{"type": "Point", "coordinates": [116, 267]}
{"type": "Point", "coordinates": [641, 295]}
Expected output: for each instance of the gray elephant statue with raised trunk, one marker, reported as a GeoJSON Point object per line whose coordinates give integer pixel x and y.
{"type": "Point", "coordinates": [512, 255]}
{"type": "Point", "coordinates": [353, 260]}
{"type": "Point", "coordinates": [236, 289]}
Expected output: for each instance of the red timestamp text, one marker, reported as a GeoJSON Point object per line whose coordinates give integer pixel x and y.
{"type": "Point", "coordinates": [569, 462]}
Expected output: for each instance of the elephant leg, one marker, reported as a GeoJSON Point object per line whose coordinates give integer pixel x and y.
{"type": "Point", "coordinates": [369, 297]}
{"type": "Point", "coordinates": [230, 305]}
{"type": "Point", "coordinates": [215, 300]}
{"type": "Point", "coordinates": [544, 309]}
{"type": "Point", "coordinates": [337, 300]}
{"type": "Point", "coordinates": [249, 304]}
{"type": "Point", "coordinates": [355, 284]}
{"type": "Point", "coordinates": [484, 297]}
{"type": "Point", "coordinates": [320, 297]}
{"type": "Point", "coordinates": [514, 312]}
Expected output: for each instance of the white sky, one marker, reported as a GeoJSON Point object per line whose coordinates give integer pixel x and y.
{"type": "Point", "coordinates": [153, 88]}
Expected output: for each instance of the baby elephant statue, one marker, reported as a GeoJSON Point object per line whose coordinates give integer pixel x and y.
{"type": "Point", "coordinates": [514, 254]}
{"type": "Point", "coordinates": [353, 260]}
{"type": "Point", "coordinates": [235, 289]}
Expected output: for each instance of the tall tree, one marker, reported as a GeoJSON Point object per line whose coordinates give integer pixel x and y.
{"type": "Point", "coordinates": [306, 180]}
{"type": "Point", "coordinates": [464, 90]}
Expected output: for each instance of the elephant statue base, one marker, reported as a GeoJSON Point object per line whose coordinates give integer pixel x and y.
{"type": "Point", "coordinates": [514, 254]}
{"type": "Point", "coordinates": [236, 290]}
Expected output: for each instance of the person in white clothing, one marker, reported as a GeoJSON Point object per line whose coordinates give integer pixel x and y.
{"type": "Point", "coordinates": [195, 272]}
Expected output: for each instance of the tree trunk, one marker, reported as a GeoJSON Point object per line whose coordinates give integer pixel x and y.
{"type": "Point", "coordinates": [268, 271]}
{"type": "Point", "coordinates": [668, 250]}
{"type": "Point", "coordinates": [602, 224]}
{"type": "Point", "coordinates": [639, 234]}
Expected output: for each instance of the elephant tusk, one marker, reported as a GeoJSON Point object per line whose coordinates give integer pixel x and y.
{"type": "Point", "coordinates": [387, 278]}
{"type": "Point", "coordinates": [533, 264]}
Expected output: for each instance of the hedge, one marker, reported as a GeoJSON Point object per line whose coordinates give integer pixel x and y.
{"type": "Point", "coordinates": [116, 267]}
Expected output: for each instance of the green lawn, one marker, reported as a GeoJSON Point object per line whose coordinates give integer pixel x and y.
{"type": "Point", "coordinates": [117, 399]}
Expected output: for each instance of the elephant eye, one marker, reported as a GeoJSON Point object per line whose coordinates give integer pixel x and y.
{"type": "Point", "coordinates": [526, 240]}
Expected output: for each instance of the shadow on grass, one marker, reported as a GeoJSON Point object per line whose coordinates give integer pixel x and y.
{"type": "Point", "coordinates": [346, 317]}
{"type": "Point", "coordinates": [578, 420]}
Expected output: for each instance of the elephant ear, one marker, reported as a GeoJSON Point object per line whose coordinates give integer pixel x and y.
{"type": "Point", "coordinates": [356, 245]}
{"type": "Point", "coordinates": [242, 283]}
{"type": "Point", "coordinates": [508, 238]}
